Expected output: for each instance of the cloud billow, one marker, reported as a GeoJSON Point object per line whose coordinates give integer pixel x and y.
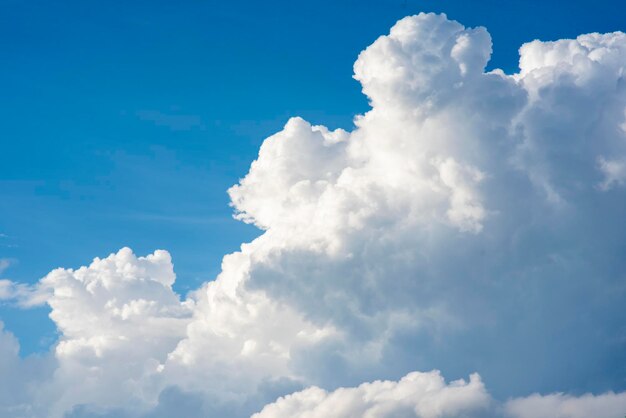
{"type": "Point", "coordinates": [471, 222]}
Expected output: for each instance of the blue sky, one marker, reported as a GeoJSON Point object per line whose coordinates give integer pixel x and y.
{"type": "Point", "coordinates": [125, 122]}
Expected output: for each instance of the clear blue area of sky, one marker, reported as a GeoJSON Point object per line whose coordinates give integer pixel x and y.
{"type": "Point", "coordinates": [124, 122]}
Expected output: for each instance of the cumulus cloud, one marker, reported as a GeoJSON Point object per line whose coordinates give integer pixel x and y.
{"type": "Point", "coordinates": [424, 395]}
{"type": "Point", "coordinates": [20, 378]}
{"type": "Point", "coordinates": [118, 319]}
{"type": "Point", "coordinates": [471, 221]}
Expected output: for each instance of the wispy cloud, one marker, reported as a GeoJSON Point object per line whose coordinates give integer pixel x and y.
{"type": "Point", "coordinates": [23, 295]}
{"type": "Point", "coordinates": [4, 264]}
{"type": "Point", "coordinates": [5, 241]}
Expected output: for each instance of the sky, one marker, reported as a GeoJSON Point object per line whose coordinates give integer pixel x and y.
{"type": "Point", "coordinates": [124, 124]}
{"type": "Point", "coordinates": [459, 219]}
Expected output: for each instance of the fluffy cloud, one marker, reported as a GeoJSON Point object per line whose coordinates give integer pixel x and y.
{"type": "Point", "coordinates": [118, 319]}
{"type": "Point", "coordinates": [472, 220]}
{"type": "Point", "coordinates": [423, 395]}
{"type": "Point", "coordinates": [426, 395]}
{"type": "Point", "coordinates": [20, 378]}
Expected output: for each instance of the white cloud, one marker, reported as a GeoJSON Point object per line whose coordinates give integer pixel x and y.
{"type": "Point", "coordinates": [424, 395]}
{"type": "Point", "coordinates": [20, 294]}
{"type": "Point", "coordinates": [465, 222]}
{"type": "Point", "coordinates": [25, 296]}
{"type": "Point", "coordinates": [608, 405]}
{"type": "Point", "coordinates": [614, 173]}
{"type": "Point", "coordinates": [19, 378]}
{"type": "Point", "coordinates": [118, 319]}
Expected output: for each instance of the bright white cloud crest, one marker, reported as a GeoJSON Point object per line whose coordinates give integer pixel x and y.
{"type": "Point", "coordinates": [466, 222]}
{"type": "Point", "coordinates": [416, 394]}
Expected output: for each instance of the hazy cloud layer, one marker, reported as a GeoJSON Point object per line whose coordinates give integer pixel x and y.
{"type": "Point", "coordinates": [564, 406]}
{"type": "Point", "coordinates": [471, 222]}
